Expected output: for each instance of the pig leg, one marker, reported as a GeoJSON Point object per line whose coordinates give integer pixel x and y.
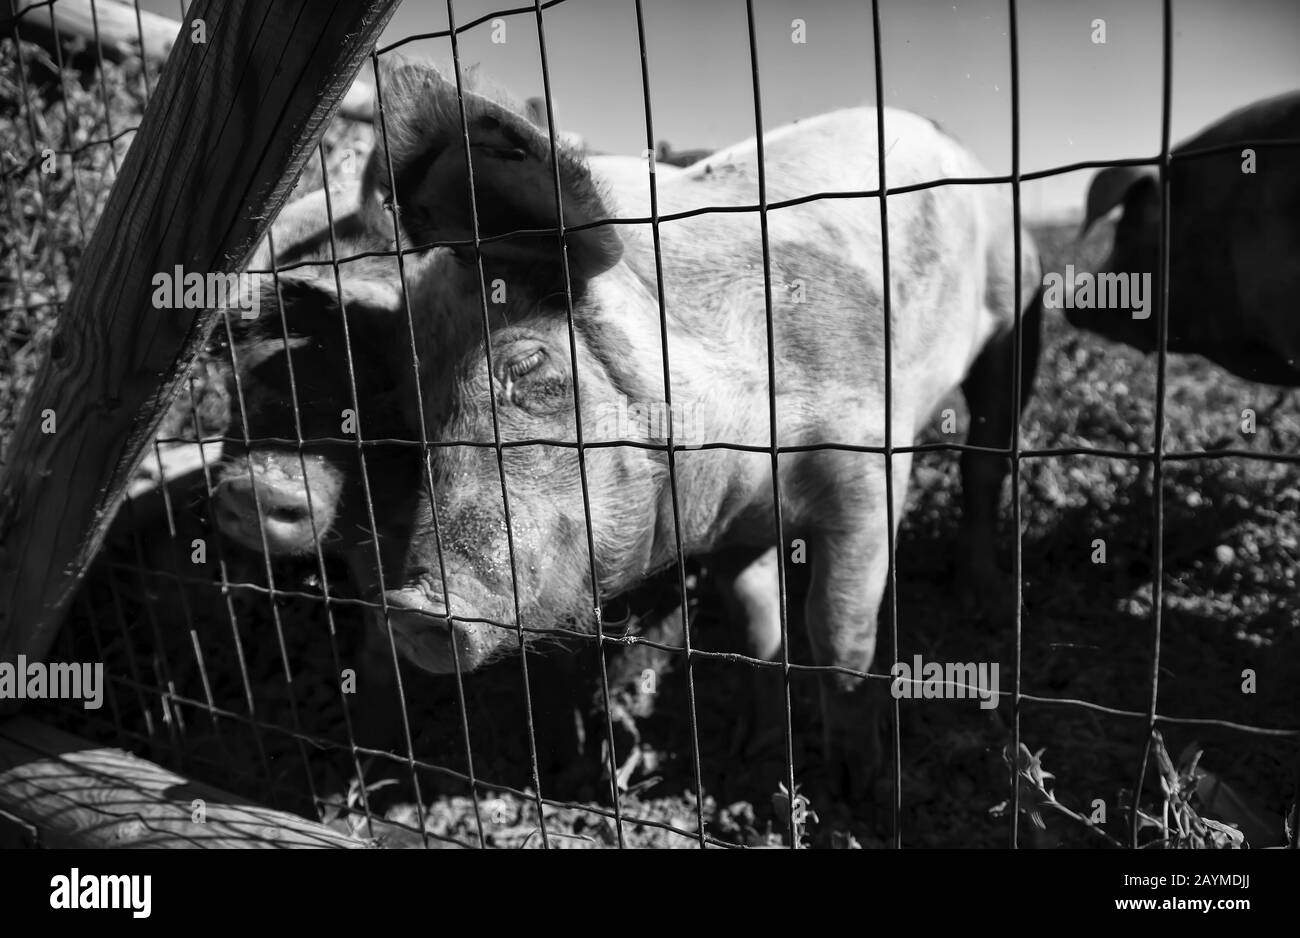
{"type": "Point", "coordinates": [751, 590]}
{"type": "Point", "coordinates": [993, 419]}
{"type": "Point", "coordinates": [849, 559]}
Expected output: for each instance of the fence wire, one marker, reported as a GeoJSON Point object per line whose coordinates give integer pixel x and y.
{"type": "Point", "coordinates": [152, 689]}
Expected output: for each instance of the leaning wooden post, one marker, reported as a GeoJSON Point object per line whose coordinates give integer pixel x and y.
{"type": "Point", "coordinates": [238, 110]}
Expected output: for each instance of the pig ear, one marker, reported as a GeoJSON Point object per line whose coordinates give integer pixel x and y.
{"type": "Point", "coordinates": [1108, 190]}
{"type": "Point", "coordinates": [514, 177]}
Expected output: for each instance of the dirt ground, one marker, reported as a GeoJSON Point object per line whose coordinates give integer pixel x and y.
{"type": "Point", "coordinates": [216, 678]}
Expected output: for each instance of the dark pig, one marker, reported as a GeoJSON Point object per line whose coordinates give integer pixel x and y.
{"type": "Point", "coordinates": [290, 500]}
{"type": "Point", "coordinates": [285, 498]}
{"type": "Point", "coordinates": [1234, 244]}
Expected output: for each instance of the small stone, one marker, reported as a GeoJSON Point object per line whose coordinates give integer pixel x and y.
{"type": "Point", "coordinates": [1224, 554]}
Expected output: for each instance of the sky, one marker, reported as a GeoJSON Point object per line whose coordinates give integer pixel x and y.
{"type": "Point", "coordinates": [1080, 99]}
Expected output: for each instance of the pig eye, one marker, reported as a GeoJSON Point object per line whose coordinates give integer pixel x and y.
{"type": "Point", "coordinates": [530, 362]}
{"type": "Point", "coordinates": [531, 380]}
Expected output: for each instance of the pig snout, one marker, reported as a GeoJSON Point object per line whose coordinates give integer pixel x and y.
{"type": "Point", "coordinates": [277, 506]}
{"type": "Point", "coordinates": [430, 640]}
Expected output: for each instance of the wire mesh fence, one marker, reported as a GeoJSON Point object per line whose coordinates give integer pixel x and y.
{"type": "Point", "coordinates": [242, 664]}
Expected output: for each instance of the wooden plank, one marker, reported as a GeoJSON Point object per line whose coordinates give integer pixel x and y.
{"type": "Point", "coordinates": [110, 27]}
{"type": "Point", "coordinates": [231, 125]}
{"type": "Point", "coordinates": [75, 793]}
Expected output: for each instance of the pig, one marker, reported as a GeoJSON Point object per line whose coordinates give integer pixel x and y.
{"type": "Point", "coordinates": [530, 378]}
{"type": "Point", "coordinates": [286, 500]}
{"type": "Point", "coordinates": [1234, 237]}
{"type": "Point", "coordinates": [275, 497]}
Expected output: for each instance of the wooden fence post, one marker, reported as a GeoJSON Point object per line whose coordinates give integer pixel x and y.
{"type": "Point", "coordinates": [231, 124]}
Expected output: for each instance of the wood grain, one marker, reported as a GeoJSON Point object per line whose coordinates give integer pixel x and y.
{"type": "Point", "coordinates": [74, 793]}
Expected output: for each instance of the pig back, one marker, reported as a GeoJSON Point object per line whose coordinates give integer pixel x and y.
{"type": "Point", "coordinates": [825, 257]}
{"type": "Point", "coordinates": [1235, 235]}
